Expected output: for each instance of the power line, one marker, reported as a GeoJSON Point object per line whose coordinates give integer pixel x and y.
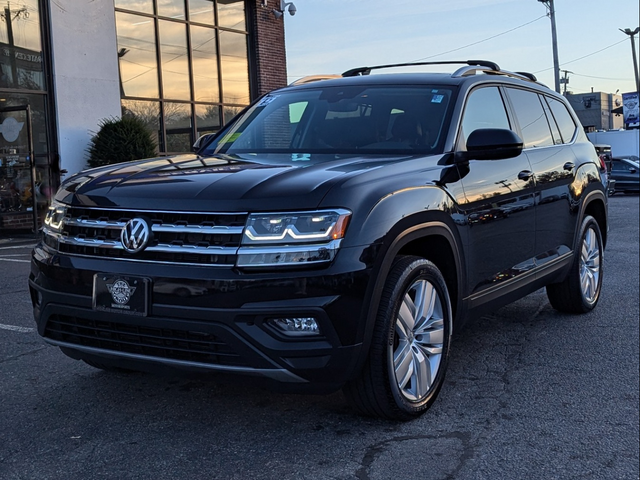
{"type": "Point", "coordinates": [599, 78]}
{"type": "Point", "coordinates": [480, 41]}
{"type": "Point", "coordinates": [589, 55]}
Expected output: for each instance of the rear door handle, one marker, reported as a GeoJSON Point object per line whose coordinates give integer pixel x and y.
{"type": "Point", "coordinates": [525, 175]}
{"type": "Point", "coordinates": [568, 166]}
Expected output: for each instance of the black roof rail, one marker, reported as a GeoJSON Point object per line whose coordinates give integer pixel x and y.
{"type": "Point", "coordinates": [530, 76]}
{"type": "Point", "coordinates": [354, 72]}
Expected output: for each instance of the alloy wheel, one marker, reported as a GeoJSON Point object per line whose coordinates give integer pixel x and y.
{"type": "Point", "coordinates": [590, 266]}
{"type": "Point", "coordinates": [419, 337]}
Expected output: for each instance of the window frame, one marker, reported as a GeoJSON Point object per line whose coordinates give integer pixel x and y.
{"type": "Point", "coordinates": [221, 105]}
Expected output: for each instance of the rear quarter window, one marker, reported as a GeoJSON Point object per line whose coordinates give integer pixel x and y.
{"type": "Point", "coordinates": [563, 118]}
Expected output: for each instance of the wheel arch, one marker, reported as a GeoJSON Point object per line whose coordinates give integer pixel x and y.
{"type": "Point", "coordinates": [595, 205]}
{"type": "Point", "coordinates": [430, 235]}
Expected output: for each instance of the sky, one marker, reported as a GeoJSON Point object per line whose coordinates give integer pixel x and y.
{"type": "Point", "coordinates": [332, 36]}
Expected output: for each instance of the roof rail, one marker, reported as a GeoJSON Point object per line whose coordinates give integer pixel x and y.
{"type": "Point", "coordinates": [354, 72]}
{"type": "Point", "coordinates": [314, 78]}
{"type": "Point", "coordinates": [472, 70]}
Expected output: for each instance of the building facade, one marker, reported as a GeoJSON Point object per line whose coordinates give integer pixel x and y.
{"type": "Point", "coordinates": [596, 110]}
{"type": "Point", "coordinates": [184, 66]}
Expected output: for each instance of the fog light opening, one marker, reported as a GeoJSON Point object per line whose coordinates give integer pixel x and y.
{"type": "Point", "coordinates": [295, 326]}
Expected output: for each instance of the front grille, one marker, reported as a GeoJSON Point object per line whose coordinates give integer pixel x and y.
{"type": "Point", "coordinates": [177, 237]}
{"type": "Point", "coordinates": [186, 345]}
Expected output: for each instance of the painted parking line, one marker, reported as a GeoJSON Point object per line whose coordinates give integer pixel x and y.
{"type": "Point", "coordinates": [17, 246]}
{"type": "Point", "coordinates": [14, 260]}
{"type": "Point", "coordinates": [14, 328]}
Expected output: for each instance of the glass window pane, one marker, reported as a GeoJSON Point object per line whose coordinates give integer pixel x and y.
{"type": "Point", "coordinates": [171, 8]}
{"type": "Point", "coordinates": [207, 118]}
{"type": "Point", "coordinates": [484, 109]}
{"type": "Point", "coordinates": [205, 64]}
{"type": "Point", "coordinates": [143, 6]}
{"type": "Point", "coordinates": [201, 11]}
{"type": "Point", "coordinates": [235, 67]}
{"type": "Point", "coordinates": [231, 14]}
{"type": "Point", "coordinates": [531, 117]}
{"type": "Point", "coordinates": [21, 55]}
{"type": "Point", "coordinates": [137, 56]}
{"type": "Point", "coordinates": [177, 120]}
{"type": "Point", "coordinates": [563, 117]}
{"type": "Point", "coordinates": [175, 65]}
{"type": "Point", "coordinates": [148, 112]}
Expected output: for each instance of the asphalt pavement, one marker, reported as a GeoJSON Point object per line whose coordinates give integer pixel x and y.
{"type": "Point", "coordinates": [530, 394]}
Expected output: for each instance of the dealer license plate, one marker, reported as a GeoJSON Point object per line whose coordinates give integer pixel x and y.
{"type": "Point", "coordinates": [121, 294]}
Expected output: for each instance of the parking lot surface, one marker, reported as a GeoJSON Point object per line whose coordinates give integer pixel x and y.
{"type": "Point", "coordinates": [530, 393]}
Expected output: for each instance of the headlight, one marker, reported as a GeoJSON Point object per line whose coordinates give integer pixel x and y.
{"type": "Point", "coordinates": [293, 228]}
{"type": "Point", "coordinates": [294, 238]}
{"type": "Point", "coordinates": [54, 217]}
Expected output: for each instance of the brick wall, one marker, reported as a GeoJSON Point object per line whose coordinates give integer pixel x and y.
{"type": "Point", "coordinates": [268, 43]}
{"type": "Point", "coordinates": [19, 221]}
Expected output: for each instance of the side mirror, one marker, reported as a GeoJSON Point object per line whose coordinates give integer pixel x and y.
{"type": "Point", "coordinates": [201, 141]}
{"type": "Point", "coordinates": [491, 144]}
{"type": "Point", "coordinates": [632, 170]}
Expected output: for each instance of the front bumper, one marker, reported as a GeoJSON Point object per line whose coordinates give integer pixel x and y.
{"type": "Point", "coordinates": [208, 319]}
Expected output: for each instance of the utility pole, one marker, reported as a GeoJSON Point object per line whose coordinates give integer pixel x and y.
{"type": "Point", "coordinates": [551, 12]}
{"type": "Point", "coordinates": [631, 34]}
{"type": "Point", "coordinates": [565, 81]}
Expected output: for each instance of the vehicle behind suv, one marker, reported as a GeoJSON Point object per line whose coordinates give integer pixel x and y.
{"type": "Point", "coordinates": [334, 235]}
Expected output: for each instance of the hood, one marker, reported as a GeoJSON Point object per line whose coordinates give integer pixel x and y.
{"type": "Point", "coordinates": [222, 183]}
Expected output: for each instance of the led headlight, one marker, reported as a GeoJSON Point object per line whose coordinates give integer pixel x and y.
{"type": "Point", "coordinates": [54, 217]}
{"type": "Point", "coordinates": [299, 227]}
{"type": "Point", "coordinates": [293, 238]}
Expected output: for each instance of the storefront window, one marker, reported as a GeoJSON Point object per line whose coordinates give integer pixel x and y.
{"type": "Point", "coordinates": [21, 47]}
{"type": "Point", "coordinates": [175, 60]}
{"type": "Point", "coordinates": [235, 82]}
{"type": "Point", "coordinates": [201, 47]}
{"type": "Point", "coordinates": [26, 177]}
{"type": "Point", "coordinates": [137, 56]}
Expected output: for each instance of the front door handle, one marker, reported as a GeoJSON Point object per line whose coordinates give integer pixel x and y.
{"type": "Point", "coordinates": [525, 175]}
{"type": "Point", "coordinates": [568, 166]}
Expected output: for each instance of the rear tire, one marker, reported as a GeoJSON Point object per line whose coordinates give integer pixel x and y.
{"type": "Point", "coordinates": [580, 291]}
{"type": "Point", "coordinates": [410, 346]}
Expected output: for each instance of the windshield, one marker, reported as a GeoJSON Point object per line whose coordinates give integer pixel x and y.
{"type": "Point", "coordinates": [341, 120]}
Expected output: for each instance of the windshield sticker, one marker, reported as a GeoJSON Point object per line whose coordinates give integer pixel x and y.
{"type": "Point", "coordinates": [437, 99]}
{"type": "Point", "coordinates": [230, 138]}
{"type": "Point", "coordinates": [266, 100]}
{"type": "Point", "coordinates": [300, 157]}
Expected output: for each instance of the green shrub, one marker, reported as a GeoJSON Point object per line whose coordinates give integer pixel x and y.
{"type": "Point", "coordinates": [120, 140]}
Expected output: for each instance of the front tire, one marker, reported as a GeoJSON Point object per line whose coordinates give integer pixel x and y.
{"type": "Point", "coordinates": [580, 291]}
{"type": "Point", "coordinates": [410, 345]}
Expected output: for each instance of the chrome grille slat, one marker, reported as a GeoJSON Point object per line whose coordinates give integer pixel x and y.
{"type": "Point", "coordinates": [178, 237]}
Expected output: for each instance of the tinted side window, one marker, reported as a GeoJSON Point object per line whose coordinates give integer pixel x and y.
{"type": "Point", "coordinates": [484, 109]}
{"type": "Point", "coordinates": [531, 117]}
{"type": "Point", "coordinates": [563, 119]}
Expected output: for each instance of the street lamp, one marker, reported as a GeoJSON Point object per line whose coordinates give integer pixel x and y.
{"type": "Point", "coordinates": [556, 64]}
{"type": "Point", "coordinates": [631, 33]}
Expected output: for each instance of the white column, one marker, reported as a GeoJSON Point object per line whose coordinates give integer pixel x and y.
{"type": "Point", "coordinates": [85, 74]}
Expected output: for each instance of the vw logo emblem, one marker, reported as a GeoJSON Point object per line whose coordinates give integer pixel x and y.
{"type": "Point", "coordinates": [135, 235]}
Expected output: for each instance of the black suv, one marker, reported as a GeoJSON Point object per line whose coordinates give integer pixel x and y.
{"type": "Point", "coordinates": [334, 235]}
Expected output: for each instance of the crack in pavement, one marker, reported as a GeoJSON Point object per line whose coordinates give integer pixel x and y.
{"type": "Point", "coordinates": [30, 352]}
{"type": "Point", "coordinates": [375, 450]}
